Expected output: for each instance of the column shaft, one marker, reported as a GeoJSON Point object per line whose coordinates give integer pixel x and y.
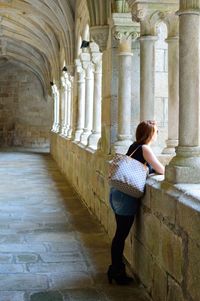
{"type": "Point", "coordinates": [89, 90]}
{"type": "Point", "coordinates": [173, 94]}
{"type": "Point", "coordinates": [69, 106]}
{"type": "Point", "coordinates": [80, 105]}
{"type": "Point", "coordinates": [124, 97]}
{"type": "Point", "coordinates": [189, 80]}
{"type": "Point", "coordinates": [66, 109]}
{"type": "Point", "coordinates": [97, 100]}
{"type": "Point", "coordinates": [147, 77]}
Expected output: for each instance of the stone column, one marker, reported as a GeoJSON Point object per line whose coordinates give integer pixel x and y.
{"type": "Point", "coordinates": [173, 95]}
{"type": "Point", "coordinates": [147, 77]}
{"type": "Point", "coordinates": [89, 91]}
{"type": "Point", "coordinates": [69, 106]}
{"type": "Point", "coordinates": [97, 97]}
{"type": "Point", "coordinates": [100, 35]}
{"type": "Point", "coordinates": [185, 166]}
{"type": "Point", "coordinates": [64, 91]}
{"type": "Point", "coordinates": [124, 137]}
{"type": "Point", "coordinates": [149, 14]}
{"type": "Point", "coordinates": [62, 108]}
{"type": "Point", "coordinates": [81, 101]}
{"type": "Point", "coordinates": [56, 108]}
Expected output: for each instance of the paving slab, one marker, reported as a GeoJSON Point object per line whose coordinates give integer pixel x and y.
{"type": "Point", "coordinates": [51, 247]}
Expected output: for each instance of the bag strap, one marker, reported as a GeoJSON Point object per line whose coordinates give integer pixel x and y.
{"type": "Point", "coordinates": [134, 151]}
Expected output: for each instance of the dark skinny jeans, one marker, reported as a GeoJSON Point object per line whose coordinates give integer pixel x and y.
{"type": "Point", "coordinates": [124, 223]}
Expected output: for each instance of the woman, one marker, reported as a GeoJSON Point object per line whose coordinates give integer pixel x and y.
{"type": "Point", "coordinates": [124, 206]}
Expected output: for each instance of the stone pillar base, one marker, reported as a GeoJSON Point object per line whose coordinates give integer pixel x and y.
{"type": "Point", "coordinates": [121, 146]}
{"type": "Point", "coordinates": [77, 135]}
{"type": "Point", "coordinates": [185, 166]}
{"type": "Point", "coordinates": [64, 130]}
{"type": "Point", "coordinates": [93, 140]}
{"type": "Point", "coordinates": [84, 137]}
{"type": "Point", "coordinates": [170, 148]}
{"type": "Point", "coordinates": [69, 133]}
{"type": "Point", "coordinates": [56, 128]}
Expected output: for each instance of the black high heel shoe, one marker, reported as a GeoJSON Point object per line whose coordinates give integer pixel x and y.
{"type": "Point", "coordinates": [120, 276]}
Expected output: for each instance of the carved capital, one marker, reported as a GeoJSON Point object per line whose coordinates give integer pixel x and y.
{"type": "Point", "coordinates": [125, 34]}
{"type": "Point", "coordinates": [63, 82]}
{"type": "Point", "coordinates": [98, 67]}
{"type": "Point", "coordinates": [139, 15]}
{"type": "Point", "coordinates": [94, 47]}
{"type": "Point", "coordinates": [66, 80]}
{"type": "Point", "coordinates": [97, 58]}
{"type": "Point", "coordinates": [55, 90]}
{"type": "Point", "coordinates": [149, 13]}
{"type": "Point", "coordinates": [124, 30]}
{"type": "Point", "coordinates": [99, 35]}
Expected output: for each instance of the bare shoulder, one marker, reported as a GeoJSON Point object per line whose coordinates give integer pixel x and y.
{"type": "Point", "coordinates": [146, 148]}
{"type": "Point", "coordinates": [148, 153]}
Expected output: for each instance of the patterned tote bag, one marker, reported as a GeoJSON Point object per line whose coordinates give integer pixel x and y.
{"type": "Point", "coordinates": [128, 175]}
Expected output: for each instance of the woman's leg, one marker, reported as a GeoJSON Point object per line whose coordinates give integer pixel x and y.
{"type": "Point", "coordinates": [124, 223]}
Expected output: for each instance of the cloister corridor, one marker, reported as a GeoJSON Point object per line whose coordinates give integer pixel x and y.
{"type": "Point", "coordinates": [76, 79]}
{"type": "Point", "coordinates": [51, 247]}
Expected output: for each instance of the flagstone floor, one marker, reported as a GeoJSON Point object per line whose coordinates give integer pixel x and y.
{"type": "Point", "coordinates": [51, 248]}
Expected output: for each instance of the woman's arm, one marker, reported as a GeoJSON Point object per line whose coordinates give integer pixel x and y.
{"type": "Point", "coordinates": [151, 159]}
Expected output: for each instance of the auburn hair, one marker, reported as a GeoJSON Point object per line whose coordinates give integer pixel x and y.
{"type": "Point", "coordinates": [145, 131]}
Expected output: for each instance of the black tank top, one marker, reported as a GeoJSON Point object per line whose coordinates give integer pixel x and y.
{"type": "Point", "coordinates": [138, 155]}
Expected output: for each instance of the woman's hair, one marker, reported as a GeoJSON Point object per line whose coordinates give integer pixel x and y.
{"type": "Point", "coordinates": [145, 131]}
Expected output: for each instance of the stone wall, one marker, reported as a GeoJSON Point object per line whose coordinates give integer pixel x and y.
{"type": "Point", "coordinates": [25, 115]}
{"type": "Point", "coordinates": [163, 247]}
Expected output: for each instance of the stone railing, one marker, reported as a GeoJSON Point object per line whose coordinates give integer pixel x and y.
{"type": "Point", "coordinates": [163, 248]}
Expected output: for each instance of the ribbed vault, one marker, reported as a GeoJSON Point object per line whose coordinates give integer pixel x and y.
{"type": "Point", "coordinates": [99, 11]}
{"type": "Point", "coordinates": [33, 32]}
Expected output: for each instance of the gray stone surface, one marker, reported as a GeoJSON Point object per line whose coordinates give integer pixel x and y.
{"type": "Point", "coordinates": [51, 248]}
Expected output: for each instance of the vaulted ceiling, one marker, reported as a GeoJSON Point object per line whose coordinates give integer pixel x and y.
{"type": "Point", "coordinates": [32, 32]}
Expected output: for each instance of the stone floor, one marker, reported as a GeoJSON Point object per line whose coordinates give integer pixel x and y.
{"type": "Point", "coordinates": [51, 248]}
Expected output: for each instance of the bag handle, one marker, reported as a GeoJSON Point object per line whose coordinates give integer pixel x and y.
{"type": "Point", "coordinates": [134, 151]}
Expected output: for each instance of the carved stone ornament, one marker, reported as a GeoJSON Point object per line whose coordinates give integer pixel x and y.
{"type": "Point", "coordinates": [63, 82]}
{"type": "Point", "coordinates": [139, 15]}
{"type": "Point", "coordinates": [55, 90]}
{"type": "Point", "coordinates": [125, 35]}
{"type": "Point", "coordinates": [99, 35]}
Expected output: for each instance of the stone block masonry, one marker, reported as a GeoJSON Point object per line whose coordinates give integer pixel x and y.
{"type": "Point", "coordinates": [25, 116]}
{"type": "Point", "coordinates": [163, 246]}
